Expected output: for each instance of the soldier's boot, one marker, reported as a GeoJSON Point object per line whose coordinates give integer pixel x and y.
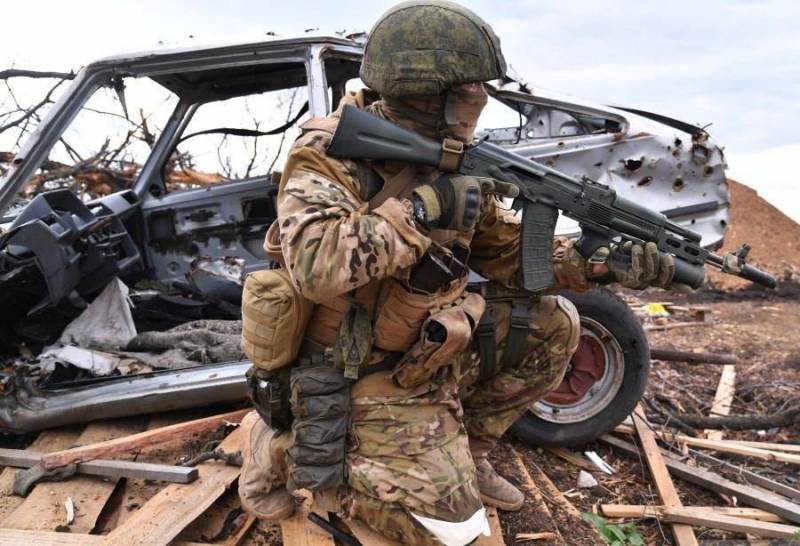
{"type": "Point", "coordinates": [496, 490]}
{"type": "Point", "coordinates": [261, 490]}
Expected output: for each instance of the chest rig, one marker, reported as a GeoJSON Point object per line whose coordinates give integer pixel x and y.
{"type": "Point", "coordinates": [375, 326]}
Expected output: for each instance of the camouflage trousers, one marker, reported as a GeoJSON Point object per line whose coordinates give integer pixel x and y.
{"type": "Point", "coordinates": [414, 449]}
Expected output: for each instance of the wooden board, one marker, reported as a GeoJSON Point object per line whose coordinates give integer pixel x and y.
{"type": "Point", "coordinates": [641, 511]}
{"type": "Point", "coordinates": [17, 537]}
{"type": "Point", "coordinates": [730, 523]}
{"type": "Point", "coordinates": [496, 538]}
{"type": "Point", "coordinates": [684, 535]}
{"type": "Point", "coordinates": [726, 389]}
{"type": "Point", "coordinates": [573, 458]}
{"type": "Point", "coordinates": [548, 488]}
{"type": "Point", "coordinates": [164, 516]}
{"type": "Point", "coordinates": [136, 442]}
{"type": "Point", "coordinates": [43, 509]}
{"type": "Point", "coordinates": [49, 440]}
{"type": "Point", "coordinates": [299, 531]}
{"type": "Point", "coordinates": [723, 446]}
{"type": "Point", "coordinates": [772, 446]}
{"type": "Point", "coordinates": [530, 488]}
{"type": "Point", "coordinates": [712, 481]}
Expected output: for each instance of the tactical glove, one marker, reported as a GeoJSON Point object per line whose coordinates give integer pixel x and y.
{"type": "Point", "coordinates": [635, 266]}
{"type": "Point", "coordinates": [450, 202]}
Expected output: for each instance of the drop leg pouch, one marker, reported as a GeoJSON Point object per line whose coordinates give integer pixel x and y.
{"type": "Point", "coordinates": [320, 401]}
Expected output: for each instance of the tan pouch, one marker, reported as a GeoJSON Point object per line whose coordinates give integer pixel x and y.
{"type": "Point", "coordinates": [274, 318]}
{"type": "Point", "coordinates": [272, 243]}
{"type": "Point", "coordinates": [427, 357]}
{"type": "Point", "coordinates": [403, 312]}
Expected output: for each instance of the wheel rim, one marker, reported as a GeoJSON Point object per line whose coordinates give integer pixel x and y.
{"type": "Point", "coordinates": [592, 381]}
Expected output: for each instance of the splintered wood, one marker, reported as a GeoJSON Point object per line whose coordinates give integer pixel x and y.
{"type": "Point", "coordinates": [164, 516]}
{"type": "Point", "coordinates": [684, 534]}
{"type": "Point", "coordinates": [723, 399]}
{"type": "Point", "coordinates": [43, 509]}
{"type": "Point", "coordinates": [137, 442]}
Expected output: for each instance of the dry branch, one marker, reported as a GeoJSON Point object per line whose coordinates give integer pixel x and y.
{"type": "Point", "coordinates": [744, 422]}
{"type": "Point", "coordinates": [670, 355]}
{"type": "Point", "coordinates": [20, 73]}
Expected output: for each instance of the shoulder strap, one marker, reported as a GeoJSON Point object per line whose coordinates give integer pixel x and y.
{"type": "Point", "coordinates": [327, 124]}
{"type": "Point", "coordinates": [393, 185]}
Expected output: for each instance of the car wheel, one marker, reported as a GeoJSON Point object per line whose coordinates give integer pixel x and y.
{"type": "Point", "coordinates": [605, 379]}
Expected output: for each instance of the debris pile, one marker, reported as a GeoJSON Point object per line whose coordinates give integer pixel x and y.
{"type": "Point", "coordinates": [775, 238]}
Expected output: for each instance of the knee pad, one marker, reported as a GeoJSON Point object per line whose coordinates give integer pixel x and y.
{"type": "Point", "coordinates": [555, 322]}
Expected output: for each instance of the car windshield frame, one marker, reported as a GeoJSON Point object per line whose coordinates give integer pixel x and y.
{"type": "Point", "coordinates": [164, 67]}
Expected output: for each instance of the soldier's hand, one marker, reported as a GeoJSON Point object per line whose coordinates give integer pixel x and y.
{"type": "Point", "coordinates": [451, 201]}
{"type": "Point", "coordinates": [636, 266]}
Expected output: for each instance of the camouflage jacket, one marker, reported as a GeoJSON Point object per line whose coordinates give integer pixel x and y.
{"type": "Point", "coordinates": [333, 244]}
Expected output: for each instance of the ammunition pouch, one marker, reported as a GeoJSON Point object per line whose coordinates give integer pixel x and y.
{"type": "Point", "coordinates": [269, 391]}
{"type": "Point", "coordinates": [320, 402]}
{"type": "Point", "coordinates": [274, 317]}
{"type": "Point", "coordinates": [439, 267]}
{"type": "Point", "coordinates": [446, 333]}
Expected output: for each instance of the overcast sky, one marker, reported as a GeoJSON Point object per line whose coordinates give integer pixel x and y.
{"type": "Point", "coordinates": [734, 64]}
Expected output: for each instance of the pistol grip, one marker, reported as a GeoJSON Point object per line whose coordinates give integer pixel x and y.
{"type": "Point", "coordinates": [536, 246]}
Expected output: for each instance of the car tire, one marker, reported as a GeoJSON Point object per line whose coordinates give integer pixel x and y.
{"type": "Point", "coordinates": [610, 368]}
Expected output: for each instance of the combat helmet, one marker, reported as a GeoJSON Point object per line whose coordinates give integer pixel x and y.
{"type": "Point", "coordinates": [426, 47]}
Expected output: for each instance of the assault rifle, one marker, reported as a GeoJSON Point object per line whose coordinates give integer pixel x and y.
{"type": "Point", "coordinates": [604, 217]}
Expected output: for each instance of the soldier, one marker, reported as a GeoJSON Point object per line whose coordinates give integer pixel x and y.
{"type": "Point", "coordinates": [394, 404]}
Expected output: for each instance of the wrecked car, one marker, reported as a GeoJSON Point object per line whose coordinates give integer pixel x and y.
{"type": "Point", "coordinates": [181, 219]}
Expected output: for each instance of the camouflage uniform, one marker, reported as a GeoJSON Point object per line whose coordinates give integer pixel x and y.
{"type": "Point", "coordinates": [410, 447]}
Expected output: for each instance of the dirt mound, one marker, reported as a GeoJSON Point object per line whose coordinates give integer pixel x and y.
{"type": "Point", "coordinates": [775, 237]}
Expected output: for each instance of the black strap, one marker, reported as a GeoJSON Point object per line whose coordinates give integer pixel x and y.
{"type": "Point", "coordinates": [517, 339]}
{"type": "Point", "coordinates": [487, 350]}
{"type": "Point", "coordinates": [248, 132]}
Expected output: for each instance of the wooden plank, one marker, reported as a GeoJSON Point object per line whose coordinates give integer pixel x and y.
{"type": "Point", "coordinates": [742, 542]}
{"type": "Point", "coordinates": [712, 481]}
{"type": "Point", "coordinates": [239, 535]}
{"type": "Point", "coordinates": [530, 488]}
{"type": "Point", "coordinates": [747, 475]}
{"type": "Point", "coordinates": [726, 389]}
{"type": "Point", "coordinates": [136, 442]}
{"type": "Point", "coordinates": [496, 538]}
{"type": "Point", "coordinates": [49, 440]}
{"type": "Point", "coordinates": [24, 458]}
{"type": "Point", "coordinates": [164, 516]}
{"type": "Point", "coordinates": [15, 537]}
{"type": "Point", "coordinates": [730, 523]}
{"type": "Point", "coordinates": [684, 535]}
{"type": "Point", "coordinates": [772, 446]}
{"type": "Point", "coordinates": [572, 458]}
{"type": "Point", "coordinates": [43, 509]}
{"type": "Point", "coordinates": [673, 325]}
{"type": "Point", "coordinates": [299, 531]}
{"type": "Point", "coordinates": [724, 446]}
{"type": "Point", "coordinates": [134, 492]}
{"type": "Point", "coordinates": [537, 477]}
{"type": "Point", "coordinates": [641, 511]}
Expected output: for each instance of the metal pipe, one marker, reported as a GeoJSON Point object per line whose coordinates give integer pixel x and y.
{"type": "Point", "coordinates": [24, 411]}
